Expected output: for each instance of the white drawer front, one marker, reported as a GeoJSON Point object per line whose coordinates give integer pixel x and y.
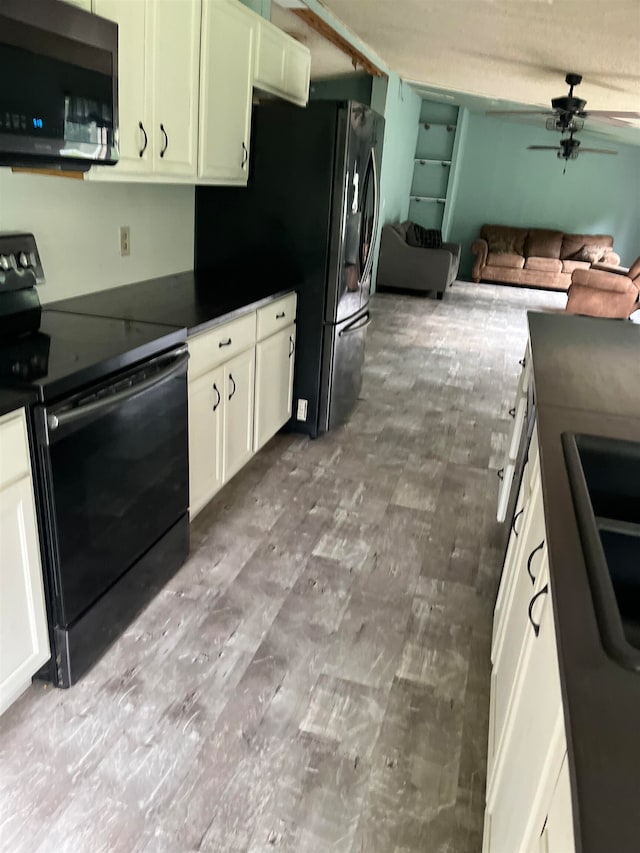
{"type": "Point", "coordinates": [209, 349]}
{"type": "Point", "coordinates": [278, 315]}
{"type": "Point", "coordinates": [14, 448]}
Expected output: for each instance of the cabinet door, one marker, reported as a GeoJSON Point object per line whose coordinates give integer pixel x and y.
{"type": "Point", "coordinates": [136, 137]}
{"type": "Point", "coordinates": [557, 835]}
{"type": "Point", "coordinates": [238, 412]}
{"type": "Point", "coordinates": [270, 57]}
{"type": "Point", "coordinates": [173, 42]}
{"type": "Point", "coordinates": [297, 72]}
{"type": "Point", "coordinates": [534, 729]}
{"type": "Point", "coordinates": [274, 384]}
{"type": "Point", "coordinates": [225, 91]}
{"type": "Point", "coordinates": [24, 638]}
{"type": "Point", "coordinates": [206, 404]}
{"type": "Point", "coordinates": [528, 577]}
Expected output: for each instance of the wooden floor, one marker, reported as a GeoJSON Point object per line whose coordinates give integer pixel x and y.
{"type": "Point", "coordinates": [316, 677]}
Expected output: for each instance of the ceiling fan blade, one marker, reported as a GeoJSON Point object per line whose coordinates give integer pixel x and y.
{"type": "Point", "coordinates": [519, 113]}
{"type": "Point", "coordinates": [543, 148]}
{"type": "Point", "coordinates": [596, 151]}
{"type": "Point", "coordinates": [614, 113]}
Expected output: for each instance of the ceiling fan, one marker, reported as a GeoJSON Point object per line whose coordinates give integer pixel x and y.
{"type": "Point", "coordinates": [567, 113]}
{"type": "Point", "coordinates": [569, 148]}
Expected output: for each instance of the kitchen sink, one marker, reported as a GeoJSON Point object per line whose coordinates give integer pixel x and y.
{"type": "Point", "coordinates": [604, 475]}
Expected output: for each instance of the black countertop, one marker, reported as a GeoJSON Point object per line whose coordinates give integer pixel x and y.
{"type": "Point", "coordinates": [197, 301]}
{"type": "Point", "coordinates": [585, 374]}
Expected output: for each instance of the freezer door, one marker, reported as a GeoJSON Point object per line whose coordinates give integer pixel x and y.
{"type": "Point", "coordinates": [354, 213]}
{"type": "Point", "coordinates": [342, 370]}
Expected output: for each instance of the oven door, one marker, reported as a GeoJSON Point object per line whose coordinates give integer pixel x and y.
{"type": "Point", "coordinates": [117, 472]}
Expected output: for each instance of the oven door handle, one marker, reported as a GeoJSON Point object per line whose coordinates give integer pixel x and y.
{"type": "Point", "coordinates": [73, 416]}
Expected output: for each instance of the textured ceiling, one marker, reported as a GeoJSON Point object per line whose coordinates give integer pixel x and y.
{"type": "Point", "coordinates": [513, 50]}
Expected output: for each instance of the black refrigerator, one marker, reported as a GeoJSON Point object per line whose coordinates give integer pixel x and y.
{"type": "Point", "coordinates": [309, 215]}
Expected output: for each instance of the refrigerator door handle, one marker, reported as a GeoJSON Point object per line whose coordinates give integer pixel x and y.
{"type": "Point", "coordinates": [352, 327]}
{"type": "Point", "coordinates": [376, 216]}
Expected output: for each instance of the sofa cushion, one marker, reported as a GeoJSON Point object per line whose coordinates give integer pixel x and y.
{"type": "Point", "coordinates": [570, 266]}
{"type": "Point", "coordinates": [505, 259]}
{"type": "Point", "coordinates": [543, 264]}
{"type": "Point", "coordinates": [424, 238]}
{"type": "Point", "coordinates": [572, 243]}
{"type": "Point", "coordinates": [543, 243]}
{"type": "Point", "coordinates": [504, 239]}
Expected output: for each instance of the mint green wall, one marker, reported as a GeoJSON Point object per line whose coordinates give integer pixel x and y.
{"type": "Point", "coordinates": [401, 115]}
{"type": "Point", "coordinates": [501, 182]}
{"type": "Point", "coordinates": [262, 7]}
{"type": "Point", "coordinates": [349, 87]}
{"type": "Point", "coordinates": [401, 109]}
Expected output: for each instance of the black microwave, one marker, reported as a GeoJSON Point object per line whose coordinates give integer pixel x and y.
{"type": "Point", "coordinates": [58, 86]}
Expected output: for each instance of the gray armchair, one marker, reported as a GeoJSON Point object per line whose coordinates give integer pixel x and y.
{"type": "Point", "coordinates": [404, 267]}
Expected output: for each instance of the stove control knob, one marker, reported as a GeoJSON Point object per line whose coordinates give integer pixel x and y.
{"type": "Point", "coordinates": [4, 262]}
{"type": "Point", "coordinates": [23, 260]}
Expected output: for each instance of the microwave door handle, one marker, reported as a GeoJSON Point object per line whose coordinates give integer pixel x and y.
{"type": "Point", "coordinates": [89, 410]}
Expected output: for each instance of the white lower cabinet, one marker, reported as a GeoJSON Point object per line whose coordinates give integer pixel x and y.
{"type": "Point", "coordinates": [238, 412]}
{"type": "Point", "coordinates": [24, 638]}
{"type": "Point", "coordinates": [274, 383]}
{"type": "Point", "coordinates": [234, 409]}
{"type": "Point", "coordinates": [205, 437]}
{"type": "Point", "coordinates": [527, 743]}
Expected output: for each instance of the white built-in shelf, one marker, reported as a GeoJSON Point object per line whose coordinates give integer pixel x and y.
{"type": "Point", "coordinates": [425, 161]}
{"type": "Point", "coordinates": [427, 198]}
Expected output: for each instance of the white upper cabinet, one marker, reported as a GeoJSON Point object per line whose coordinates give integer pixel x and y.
{"type": "Point", "coordinates": [186, 71]}
{"type": "Point", "coordinates": [173, 42]}
{"type": "Point", "coordinates": [282, 64]}
{"type": "Point", "coordinates": [297, 73]}
{"type": "Point", "coordinates": [134, 103]}
{"type": "Point", "coordinates": [228, 32]}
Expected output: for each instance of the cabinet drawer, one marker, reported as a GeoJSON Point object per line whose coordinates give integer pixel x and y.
{"type": "Point", "coordinates": [210, 349]}
{"type": "Point", "coordinates": [276, 316]}
{"type": "Point", "coordinates": [14, 448]}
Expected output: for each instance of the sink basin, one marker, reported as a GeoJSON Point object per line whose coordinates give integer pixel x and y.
{"type": "Point", "coordinates": [604, 475]}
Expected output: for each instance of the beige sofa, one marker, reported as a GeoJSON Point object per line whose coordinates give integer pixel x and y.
{"type": "Point", "coordinates": [537, 257]}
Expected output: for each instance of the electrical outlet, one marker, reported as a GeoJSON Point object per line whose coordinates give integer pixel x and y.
{"type": "Point", "coordinates": [125, 240]}
{"type": "Point", "coordinates": [301, 414]}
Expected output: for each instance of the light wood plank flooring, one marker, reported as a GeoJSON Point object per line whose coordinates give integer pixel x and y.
{"type": "Point", "coordinates": [316, 677]}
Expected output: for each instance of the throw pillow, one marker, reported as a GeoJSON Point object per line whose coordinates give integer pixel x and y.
{"type": "Point", "coordinates": [590, 254]}
{"type": "Point", "coordinates": [424, 238]}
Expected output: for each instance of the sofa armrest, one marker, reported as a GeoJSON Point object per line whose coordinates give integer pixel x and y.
{"type": "Point", "coordinates": [618, 270]}
{"type": "Point", "coordinates": [609, 281]}
{"type": "Point", "coordinates": [480, 248]}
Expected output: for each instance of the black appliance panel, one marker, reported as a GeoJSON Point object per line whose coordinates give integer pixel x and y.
{"type": "Point", "coordinates": [59, 89]}
{"type": "Point", "coordinates": [118, 470]}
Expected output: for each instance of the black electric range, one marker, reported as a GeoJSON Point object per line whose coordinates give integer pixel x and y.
{"type": "Point", "coordinates": [109, 441]}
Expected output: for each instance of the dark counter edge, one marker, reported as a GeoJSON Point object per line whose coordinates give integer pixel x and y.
{"type": "Point", "coordinates": [214, 313]}
{"type": "Point", "coordinates": [11, 399]}
{"type": "Point", "coordinates": [600, 698]}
